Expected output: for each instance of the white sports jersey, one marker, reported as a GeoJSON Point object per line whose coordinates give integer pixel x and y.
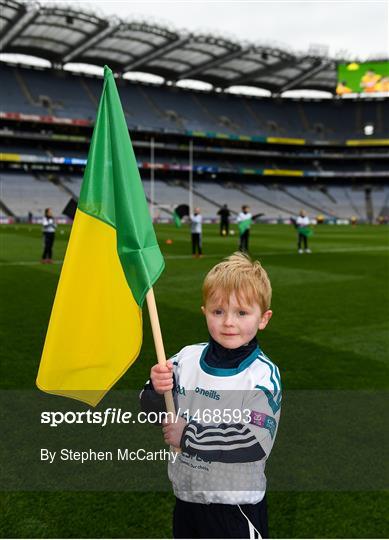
{"type": "Point", "coordinates": [243, 216]}
{"type": "Point", "coordinates": [196, 223]}
{"type": "Point", "coordinates": [302, 221]}
{"type": "Point", "coordinates": [233, 417]}
{"type": "Point", "coordinates": [48, 224]}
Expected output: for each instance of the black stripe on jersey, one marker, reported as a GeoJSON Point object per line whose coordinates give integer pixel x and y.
{"type": "Point", "coordinates": [219, 435]}
{"type": "Point", "coordinates": [224, 443]}
{"type": "Point", "coordinates": [225, 429]}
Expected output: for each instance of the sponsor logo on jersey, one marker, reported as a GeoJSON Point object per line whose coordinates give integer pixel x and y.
{"type": "Point", "coordinates": [212, 394]}
{"type": "Point", "coordinates": [264, 421]}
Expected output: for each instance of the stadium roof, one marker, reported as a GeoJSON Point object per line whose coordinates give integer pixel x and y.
{"type": "Point", "coordinates": [62, 34]}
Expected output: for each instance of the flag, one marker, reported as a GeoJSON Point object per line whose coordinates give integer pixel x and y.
{"type": "Point", "coordinates": [305, 231]}
{"type": "Point", "coordinates": [180, 211]}
{"type": "Point", "coordinates": [176, 219]}
{"type": "Point", "coordinates": [112, 260]}
{"type": "Point", "coordinates": [70, 208]}
{"type": "Point", "coordinates": [244, 225]}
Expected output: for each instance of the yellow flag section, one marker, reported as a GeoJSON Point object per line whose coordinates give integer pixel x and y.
{"type": "Point", "coordinates": [95, 330]}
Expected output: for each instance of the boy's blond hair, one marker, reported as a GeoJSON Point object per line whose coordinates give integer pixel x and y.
{"type": "Point", "coordinates": [240, 275]}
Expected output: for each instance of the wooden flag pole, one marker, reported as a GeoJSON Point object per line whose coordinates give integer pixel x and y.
{"type": "Point", "coordinates": [160, 350]}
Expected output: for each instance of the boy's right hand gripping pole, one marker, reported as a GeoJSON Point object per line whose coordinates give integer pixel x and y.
{"type": "Point", "coordinates": [160, 350]}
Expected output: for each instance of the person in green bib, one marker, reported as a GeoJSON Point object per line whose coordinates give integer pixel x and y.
{"type": "Point", "coordinates": [303, 231]}
{"type": "Point", "coordinates": [244, 221]}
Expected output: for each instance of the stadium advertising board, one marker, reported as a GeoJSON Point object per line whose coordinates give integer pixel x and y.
{"type": "Point", "coordinates": [367, 78]}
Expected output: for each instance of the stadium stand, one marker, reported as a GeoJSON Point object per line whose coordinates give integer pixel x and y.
{"type": "Point", "coordinates": [23, 193]}
{"type": "Point", "coordinates": [276, 154]}
{"type": "Point", "coordinates": [380, 200]}
{"type": "Point", "coordinates": [348, 203]}
{"type": "Point", "coordinates": [272, 201]}
{"type": "Point", "coordinates": [60, 93]}
{"type": "Point", "coordinates": [310, 199]}
{"type": "Point", "coordinates": [22, 150]}
{"type": "Point", "coordinates": [13, 97]}
{"type": "Point", "coordinates": [167, 195]}
{"type": "Point", "coordinates": [72, 184]}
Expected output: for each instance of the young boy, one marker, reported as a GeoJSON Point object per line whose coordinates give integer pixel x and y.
{"type": "Point", "coordinates": [228, 397]}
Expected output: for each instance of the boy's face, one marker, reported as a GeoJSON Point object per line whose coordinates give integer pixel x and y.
{"type": "Point", "coordinates": [234, 323]}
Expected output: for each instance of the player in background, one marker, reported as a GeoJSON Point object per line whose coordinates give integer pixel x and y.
{"type": "Point", "coordinates": [224, 214]}
{"type": "Point", "coordinates": [244, 221]}
{"type": "Point", "coordinates": [196, 220]}
{"type": "Point", "coordinates": [48, 226]}
{"type": "Point", "coordinates": [303, 232]}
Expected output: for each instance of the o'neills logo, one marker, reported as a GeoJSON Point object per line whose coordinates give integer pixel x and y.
{"type": "Point", "coordinates": [212, 394]}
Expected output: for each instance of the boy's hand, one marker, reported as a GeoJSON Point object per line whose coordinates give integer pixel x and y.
{"type": "Point", "coordinates": [162, 377]}
{"type": "Point", "coordinates": [172, 431]}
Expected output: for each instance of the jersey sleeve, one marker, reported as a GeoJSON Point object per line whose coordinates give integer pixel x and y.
{"type": "Point", "coordinates": [264, 403]}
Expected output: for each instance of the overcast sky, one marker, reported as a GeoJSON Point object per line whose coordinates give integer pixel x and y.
{"type": "Point", "coordinates": [359, 27]}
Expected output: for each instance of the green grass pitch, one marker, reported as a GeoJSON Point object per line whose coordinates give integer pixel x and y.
{"type": "Point", "coordinates": [329, 332]}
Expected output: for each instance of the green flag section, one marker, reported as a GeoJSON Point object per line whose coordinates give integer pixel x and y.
{"type": "Point", "coordinates": [176, 219]}
{"type": "Point", "coordinates": [244, 225]}
{"type": "Point", "coordinates": [112, 191]}
{"type": "Point", "coordinates": [112, 260]}
{"type": "Point", "coordinates": [305, 231]}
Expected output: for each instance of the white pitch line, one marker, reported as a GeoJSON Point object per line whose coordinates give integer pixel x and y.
{"type": "Point", "coordinates": [28, 263]}
{"type": "Point", "coordinates": [219, 255]}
